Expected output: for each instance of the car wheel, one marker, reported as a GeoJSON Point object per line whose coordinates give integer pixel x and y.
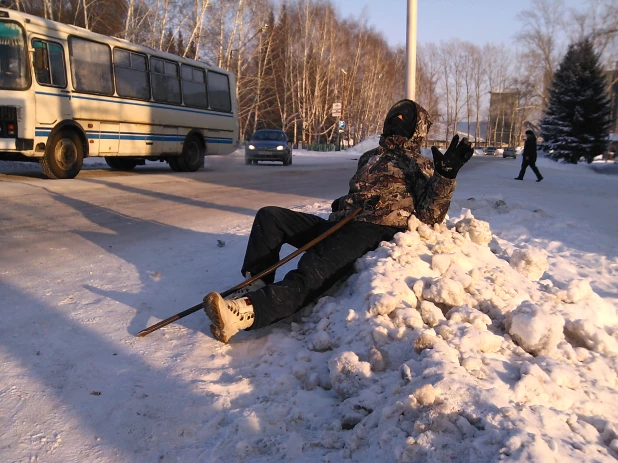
{"type": "Point", "coordinates": [286, 162]}
{"type": "Point", "coordinates": [64, 155]}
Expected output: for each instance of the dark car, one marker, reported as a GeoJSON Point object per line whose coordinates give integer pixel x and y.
{"type": "Point", "coordinates": [268, 145]}
{"type": "Point", "coordinates": [509, 153]}
{"type": "Point", "coordinates": [490, 151]}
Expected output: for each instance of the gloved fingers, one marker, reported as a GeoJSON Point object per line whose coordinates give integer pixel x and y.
{"type": "Point", "coordinates": [437, 154]}
{"type": "Point", "coordinates": [468, 154]}
{"type": "Point", "coordinates": [454, 143]}
{"type": "Point", "coordinates": [465, 149]}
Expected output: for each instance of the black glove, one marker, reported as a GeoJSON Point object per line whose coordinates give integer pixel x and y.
{"type": "Point", "coordinates": [457, 154]}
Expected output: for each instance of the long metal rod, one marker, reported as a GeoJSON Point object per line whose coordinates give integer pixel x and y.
{"type": "Point", "coordinates": [411, 50]}
{"type": "Point", "coordinates": [247, 282]}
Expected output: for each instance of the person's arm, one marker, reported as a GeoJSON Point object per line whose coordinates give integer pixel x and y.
{"type": "Point", "coordinates": [432, 195]}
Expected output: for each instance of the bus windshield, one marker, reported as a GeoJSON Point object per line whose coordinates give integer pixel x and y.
{"type": "Point", "coordinates": [13, 63]}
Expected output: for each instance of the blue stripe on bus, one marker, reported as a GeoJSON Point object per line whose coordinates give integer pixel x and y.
{"type": "Point", "coordinates": [53, 94]}
{"type": "Point", "coordinates": [224, 141]}
{"type": "Point", "coordinates": [131, 103]}
{"type": "Point", "coordinates": [40, 132]}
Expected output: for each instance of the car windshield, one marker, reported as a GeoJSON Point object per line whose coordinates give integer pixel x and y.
{"type": "Point", "coordinates": [13, 64]}
{"type": "Point", "coordinates": [268, 135]}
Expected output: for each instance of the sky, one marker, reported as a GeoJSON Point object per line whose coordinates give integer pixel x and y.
{"type": "Point", "coordinates": [476, 21]}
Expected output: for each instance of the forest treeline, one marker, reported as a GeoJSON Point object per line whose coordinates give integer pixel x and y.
{"type": "Point", "coordinates": [293, 59]}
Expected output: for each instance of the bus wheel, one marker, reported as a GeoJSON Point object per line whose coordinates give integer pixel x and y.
{"type": "Point", "coordinates": [117, 163]}
{"type": "Point", "coordinates": [192, 153]}
{"type": "Point", "coordinates": [173, 162]}
{"type": "Point", "coordinates": [64, 155]}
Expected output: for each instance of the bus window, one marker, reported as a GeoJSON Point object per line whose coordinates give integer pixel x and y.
{"type": "Point", "coordinates": [165, 81]}
{"type": "Point", "coordinates": [49, 64]}
{"type": "Point", "coordinates": [194, 87]}
{"type": "Point", "coordinates": [131, 75]}
{"type": "Point", "coordinates": [14, 73]}
{"type": "Point", "coordinates": [91, 65]}
{"type": "Point", "coordinates": [219, 92]}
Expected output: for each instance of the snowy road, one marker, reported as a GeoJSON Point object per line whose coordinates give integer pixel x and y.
{"type": "Point", "coordinates": [87, 263]}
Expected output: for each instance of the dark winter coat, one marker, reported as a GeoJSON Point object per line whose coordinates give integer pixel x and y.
{"type": "Point", "coordinates": [529, 155]}
{"type": "Point", "coordinates": [394, 181]}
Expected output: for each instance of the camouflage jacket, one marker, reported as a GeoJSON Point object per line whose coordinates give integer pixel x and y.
{"type": "Point", "coordinates": [394, 181]}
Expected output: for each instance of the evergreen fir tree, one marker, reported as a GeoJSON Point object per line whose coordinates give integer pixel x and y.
{"type": "Point", "coordinates": [577, 120]}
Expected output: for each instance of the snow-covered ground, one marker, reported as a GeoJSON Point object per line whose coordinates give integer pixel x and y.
{"type": "Point", "coordinates": [492, 337]}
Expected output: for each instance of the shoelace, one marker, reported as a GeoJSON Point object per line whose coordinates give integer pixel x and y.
{"type": "Point", "coordinates": [233, 306]}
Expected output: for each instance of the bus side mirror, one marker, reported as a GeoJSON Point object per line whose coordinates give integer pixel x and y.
{"type": "Point", "coordinates": [40, 59]}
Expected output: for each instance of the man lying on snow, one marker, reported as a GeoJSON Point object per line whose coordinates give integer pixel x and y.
{"type": "Point", "coordinates": [392, 182]}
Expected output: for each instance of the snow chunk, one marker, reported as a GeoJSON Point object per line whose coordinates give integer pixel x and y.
{"type": "Point", "coordinates": [377, 359]}
{"type": "Point", "coordinates": [445, 291]}
{"type": "Point", "coordinates": [431, 314]}
{"type": "Point", "coordinates": [477, 230]}
{"type": "Point", "coordinates": [441, 262]}
{"type": "Point", "coordinates": [530, 262]}
{"type": "Point", "coordinates": [577, 291]}
{"type": "Point", "coordinates": [534, 328]}
{"type": "Point", "coordinates": [383, 304]}
{"type": "Point", "coordinates": [320, 341]}
{"type": "Point", "coordinates": [425, 395]}
{"type": "Point", "coordinates": [408, 317]}
{"type": "Point", "coordinates": [348, 374]}
{"type": "Point", "coordinates": [584, 332]}
{"type": "Point", "coordinates": [465, 314]}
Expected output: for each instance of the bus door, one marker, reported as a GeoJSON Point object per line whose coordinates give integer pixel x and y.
{"type": "Point", "coordinates": [53, 99]}
{"type": "Point", "coordinates": [109, 139]}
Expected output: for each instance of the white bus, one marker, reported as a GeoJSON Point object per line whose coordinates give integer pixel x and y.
{"type": "Point", "coordinates": [67, 93]}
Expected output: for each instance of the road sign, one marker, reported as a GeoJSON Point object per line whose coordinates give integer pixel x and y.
{"type": "Point", "coordinates": [336, 111]}
{"type": "Point", "coordinates": [342, 124]}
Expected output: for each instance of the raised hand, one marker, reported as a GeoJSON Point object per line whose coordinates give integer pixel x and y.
{"type": "Point", "coordinates": [457, 154]}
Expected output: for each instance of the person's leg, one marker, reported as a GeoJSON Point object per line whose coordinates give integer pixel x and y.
{"type": "Point", "coordinates": [318, 269]}
{"type": "Point", "coordinates": [524, 164]}
{"type": "Point", "coordinates": [273, 227]}
{"type": "Point", "coordinates": [534, 168]}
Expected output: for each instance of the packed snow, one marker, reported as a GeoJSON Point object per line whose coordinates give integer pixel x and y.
{"type": "Point", "coordinates": [490, 337]}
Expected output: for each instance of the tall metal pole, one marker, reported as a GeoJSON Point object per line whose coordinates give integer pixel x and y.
{"type": "Point", "coordinates": [411, 51]}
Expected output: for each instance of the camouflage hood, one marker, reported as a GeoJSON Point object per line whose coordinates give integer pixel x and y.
{"type": "Point", "coordinates": [394, 180]}
{"type": "Point", "coordinates": [415, 123]}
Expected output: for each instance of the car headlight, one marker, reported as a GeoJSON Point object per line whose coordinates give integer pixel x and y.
{"type": "Point", "coordinates": [280, 148]}
{"type": "Point", "coordinates": [251, 147]}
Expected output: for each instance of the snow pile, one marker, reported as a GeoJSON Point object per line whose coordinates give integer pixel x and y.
{"type": "Point", "coordinates": [440, 350]}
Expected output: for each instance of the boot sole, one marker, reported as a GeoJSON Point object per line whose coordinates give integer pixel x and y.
{"type": "Point", "coordinates": [211, 307]}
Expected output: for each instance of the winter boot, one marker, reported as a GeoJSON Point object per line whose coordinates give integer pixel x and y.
{"type": "Point", "coordinates": [228, 317]}
{"type": "Point", "coordinates": [257, 284]}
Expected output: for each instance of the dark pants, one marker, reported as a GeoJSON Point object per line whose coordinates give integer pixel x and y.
{"type": "Point", "coordinates": [318, 269]}
{"type": "Point", "coordinates": [525, 163]}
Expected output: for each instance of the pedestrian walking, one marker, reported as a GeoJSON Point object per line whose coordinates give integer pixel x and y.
{"type": "Point", "coordinates": [529, 157]}
{"type": "Point", "coordinates": [392, 182]}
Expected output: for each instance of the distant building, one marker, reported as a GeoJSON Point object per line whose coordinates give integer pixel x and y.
{"type": "Point", "coordinates": [504, 126]}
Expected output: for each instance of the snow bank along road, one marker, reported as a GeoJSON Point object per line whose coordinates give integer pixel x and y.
{"type": "Point", "coordinates": [491, 337]}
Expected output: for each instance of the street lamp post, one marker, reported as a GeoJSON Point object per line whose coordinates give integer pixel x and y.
{"type": "Point", "coordinates": [339, 129]}
{"type": "Point", "coordinates": [411, 50]}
